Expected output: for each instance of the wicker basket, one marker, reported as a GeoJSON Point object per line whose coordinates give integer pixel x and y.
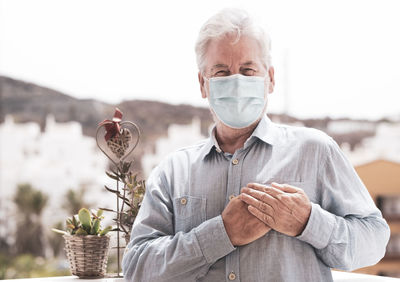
{"type": "Point", "coordinates": [87, 255]}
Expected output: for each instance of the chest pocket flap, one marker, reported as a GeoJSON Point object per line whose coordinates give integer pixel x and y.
{"type": "Point", "coordinates": [189, 212]}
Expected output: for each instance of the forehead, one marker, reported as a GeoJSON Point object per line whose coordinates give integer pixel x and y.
{"type": "Point", "coordinates": [228, 52]}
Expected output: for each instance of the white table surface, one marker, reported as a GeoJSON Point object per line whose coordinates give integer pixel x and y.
{"type": "Point", "coordinates": [65, 279]}
{"type": "Point", "coordinates": [338, 276]}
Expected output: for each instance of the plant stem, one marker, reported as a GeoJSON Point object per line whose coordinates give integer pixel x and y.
{"type": "Point", "coordinates": [118, 217]}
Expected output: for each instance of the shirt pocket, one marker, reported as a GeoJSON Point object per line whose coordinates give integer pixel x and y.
{"type": "Point", "coordinates": [189, 212]}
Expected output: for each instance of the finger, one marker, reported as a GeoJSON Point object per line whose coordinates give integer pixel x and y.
{"type": "Point", "coordinates": [263, 188]}
{"type": "Point", "coordinates": [257, 186]}
{"type": "Point", "coordinates": [259, 195]}
{"type": "Point", "coordinates": [285, 187]}
{"type": "Point", "coordinates": [276, 193]}
{"type": "Point", "coordinates": [265, 208]}
{"type": "Point", "coordinates": [268, 220]}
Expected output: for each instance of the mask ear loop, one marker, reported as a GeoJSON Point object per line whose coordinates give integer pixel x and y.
{"type": "Point", "coordinates": [267, 83]}
{"type": "Point", "coordinates": [207, 89]}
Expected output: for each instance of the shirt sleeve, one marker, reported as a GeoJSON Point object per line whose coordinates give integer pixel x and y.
{"type": "Point", "coordinates": [346, 228]}
{"type": "Point", "coordinates": [155, 253]}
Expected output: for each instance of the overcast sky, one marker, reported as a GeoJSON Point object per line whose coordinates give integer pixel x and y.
{"type": "Point", "coordinates": [343, 56]}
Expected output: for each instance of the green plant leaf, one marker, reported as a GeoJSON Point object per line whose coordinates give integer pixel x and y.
{"type": "Point", "coordinates": [85, 219]}
{"type": "Point", "coordinates": [105, 230]}
{"type": "Point", "coordinates": [99, 212]}
{"type": "Point", "coordinates": [95, 227]}
{"type": "Point", "coordinates": [80, 231]}
{"type": "Point", "coordinates": [59, 231]}
{"type": "Point", "coordinates": [114, 172]}
{"type": "Point", "coordinates": [128, 203]}
{"type": "Point", "coordinates": [75, 222]}
{"type": "Point", "coordinates": [109, 210]}
{"type": "Point", "coordinates": [111, 175]}
{"type": "Point", "coordinates": [125, 166]}
{"type": "Point", "coordinates": [112, 190]}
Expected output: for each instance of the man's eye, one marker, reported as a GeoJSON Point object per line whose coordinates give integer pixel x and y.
{"type": "Point", "coordinates": [221, 73]}
{"type": "Point", "coordinates": [249, 71]}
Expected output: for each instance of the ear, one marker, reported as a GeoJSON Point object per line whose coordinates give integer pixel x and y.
{"type": "Point", "coordinates": [271, 73]}
{"type": "Point", "coordinates": [202, 86]}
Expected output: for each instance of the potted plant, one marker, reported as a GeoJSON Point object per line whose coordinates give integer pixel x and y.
{"type": "Point", "coordinates": [86, 244]}
{"type": "Point", "coordinates": [132, 196]}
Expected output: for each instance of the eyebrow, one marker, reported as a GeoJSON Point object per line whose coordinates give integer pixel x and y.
{"type": "Point", "coordinates": [216, 66]}
{"type": "Point", "coordinates": [248, 63]}
{"type": "Point", "coordinates": [219, 66]}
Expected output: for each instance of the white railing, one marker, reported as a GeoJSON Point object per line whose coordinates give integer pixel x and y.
{"type": "Point", "coordinates": [338, 276]}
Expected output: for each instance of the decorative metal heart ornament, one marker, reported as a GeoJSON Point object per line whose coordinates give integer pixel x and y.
{"type": "Point", "coordinates": [120, 143]}
{"type": "Point", "coordinates": [119, 146]}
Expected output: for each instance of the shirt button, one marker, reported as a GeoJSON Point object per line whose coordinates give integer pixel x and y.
{"type": "Point", "coordinates": [232, 276]}
{"type": "Point", "coordinates": [183, 201]}
{"type": "Point", "coordinates": [231, 197]}
{"type": "Point", "coordinates": [235, 161]}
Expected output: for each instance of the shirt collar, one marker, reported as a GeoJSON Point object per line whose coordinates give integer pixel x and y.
{"type": "Point", "coordinates": [266, 131]}
{"type": "Point", "coordinates": [210, 144]}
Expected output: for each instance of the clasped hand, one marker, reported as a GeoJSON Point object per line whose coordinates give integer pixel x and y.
{"type": "Point", "coordinates": [259, 208]}
{"type": "Point", "coordinates": [282, 207]}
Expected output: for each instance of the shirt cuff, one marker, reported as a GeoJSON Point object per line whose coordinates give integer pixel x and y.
{"type": "Point", "coordinates": [213, 240]}
{"type": "Point", "coordinates": [319, 227]}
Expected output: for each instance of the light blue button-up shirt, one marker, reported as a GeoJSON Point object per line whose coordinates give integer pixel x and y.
{"type": "Point", "coordinates": [179, 234]}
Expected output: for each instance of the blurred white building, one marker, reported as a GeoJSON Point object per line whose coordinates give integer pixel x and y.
{"type": "Point", "coordinates": [385, 145]}
{"type": "Point", "coordinates": [53, 161]}
{"type": "Point", "coordinates": [178, 136]}
{"type": "Point", "coordinates": [349, 126]}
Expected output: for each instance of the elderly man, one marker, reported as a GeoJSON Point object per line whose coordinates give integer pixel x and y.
{"type": "Point", "coordinates": [256, 201]}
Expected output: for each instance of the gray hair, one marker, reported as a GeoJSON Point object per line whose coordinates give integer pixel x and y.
{"type": "Point", "coordinates": [231, 22]}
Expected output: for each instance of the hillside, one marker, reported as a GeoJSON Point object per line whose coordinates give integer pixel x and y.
{"type": "Point", "coordinates": [30, 102]}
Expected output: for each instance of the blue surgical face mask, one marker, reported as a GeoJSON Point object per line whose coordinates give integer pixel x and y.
{"type": "Point", "coordinates": [237, 100]}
